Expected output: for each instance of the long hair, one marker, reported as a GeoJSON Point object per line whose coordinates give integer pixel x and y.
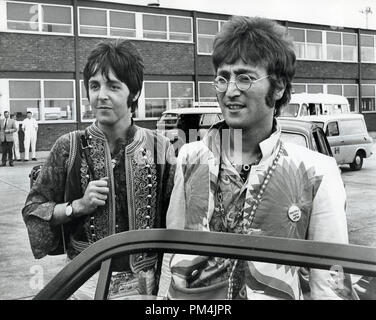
{"type": "Point", "coordinates": [126, 62]}
{"type": "Point", "coordinates": [258, 41]}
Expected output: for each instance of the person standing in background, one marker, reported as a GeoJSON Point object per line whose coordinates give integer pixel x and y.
{"type": "Point", "coordinates": [30, 127]}
{"type": "Point", "coordinates": [16, 143]}
{"type": "Point", "coordinates": [7, 127]}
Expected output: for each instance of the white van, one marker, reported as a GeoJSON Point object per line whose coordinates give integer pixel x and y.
{"type": "Point", "coordinates": [348, 137]}
{"type": "Point", "coordinates": [307, 104]}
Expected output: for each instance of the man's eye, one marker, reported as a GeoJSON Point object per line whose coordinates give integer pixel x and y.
{"type": "Point", "coordinates": [93, 86]}
{"type": "Point", "coordinates": [115, 87]}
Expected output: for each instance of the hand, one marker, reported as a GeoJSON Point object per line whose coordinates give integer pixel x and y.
{"type": "Point", "coordinates": [95, 196]}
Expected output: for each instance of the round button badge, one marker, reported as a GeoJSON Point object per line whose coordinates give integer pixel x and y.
{"type": "Point", "coordinates": [294, 213]}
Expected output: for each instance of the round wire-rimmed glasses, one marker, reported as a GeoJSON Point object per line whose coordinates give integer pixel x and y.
{"type": "Point", "coordinates": [242, 81]}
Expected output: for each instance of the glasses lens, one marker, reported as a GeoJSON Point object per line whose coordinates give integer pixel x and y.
{"type": "Point", "coordinates": [243, 82]}
{"type": "Point", "coordinates": [220, 84]}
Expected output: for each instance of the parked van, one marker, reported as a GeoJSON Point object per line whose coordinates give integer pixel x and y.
{"type": "Point", "coordinates": [200, 119]}
{"type": "Point", "coordinates": [311, 104]}
{"type": "Point", "coordinates": [348, 137]}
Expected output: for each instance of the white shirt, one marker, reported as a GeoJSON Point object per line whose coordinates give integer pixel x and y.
{"type": "Point", "coordinates": [29, 125]}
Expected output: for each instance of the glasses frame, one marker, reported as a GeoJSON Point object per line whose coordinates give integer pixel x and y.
{"type": "Point", "coordinates": [251, 82]}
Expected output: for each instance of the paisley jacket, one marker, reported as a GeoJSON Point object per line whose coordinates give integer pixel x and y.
{"type": "Point", "coordinates": [304, 199]}
{"type": "Point", "coordinates": [65, 176]}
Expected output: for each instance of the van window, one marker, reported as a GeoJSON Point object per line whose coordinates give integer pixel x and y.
{"type": "Point", "coordinates": [304, 110]}
{"type": "Point", "coordinates": [209, 118]}
{"type": "Point", "coordinates": [349, 127]}
{"type": "Point", "coordinates": [295, 138]}
{"type": "Point", "coordinates": [314, 109]}
{"type": "Point", "coordinates": [332, 129]}
{"type": "Point", "coordinates": [290, 110]}
{"type": "Point", "coordinates": [320, 124]}
{"type": "Point", "coordinates": [168, 118]}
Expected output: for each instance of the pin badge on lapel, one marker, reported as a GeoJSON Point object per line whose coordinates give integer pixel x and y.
{"type": "Point", "coordinates": [294, 213]}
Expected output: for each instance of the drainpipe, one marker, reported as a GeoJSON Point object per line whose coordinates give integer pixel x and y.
{"type": "Point", "coordinates": [76, 65]}
{"type": "Point", "coordinates": [359, 80]}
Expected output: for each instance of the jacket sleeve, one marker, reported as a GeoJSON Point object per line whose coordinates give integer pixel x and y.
{"type": "Point", "coordinates": [46, 192]}
{"type": "Point", "coordinates": [328, 223]}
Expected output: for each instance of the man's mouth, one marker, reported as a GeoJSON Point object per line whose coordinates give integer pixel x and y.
{"type": "Point", "coordinates": [232, 106]}
{"type": "Point", "coordinates": [104, 108]}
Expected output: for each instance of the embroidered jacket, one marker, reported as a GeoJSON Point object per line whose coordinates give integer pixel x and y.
{"type": "Point", "coordinates": [65, 176]}
{"type": "Point", "coordinates": [302, 179]}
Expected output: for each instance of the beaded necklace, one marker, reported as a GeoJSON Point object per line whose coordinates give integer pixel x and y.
{"type": "Point", "coordinates": [247, 220]}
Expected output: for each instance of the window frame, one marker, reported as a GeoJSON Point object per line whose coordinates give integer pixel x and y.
{"type": "Point", "coordinates": [42, 99]}
{"type": "Point", "coordinates": [374, 48]}
{"type": "Point", "coordinates": [219, 24]}
{"type": "Point", "coordinates": [40, 21]}
{"type": "Point", "coordinates": [325, 45]}
{"type": "Point", "coordinates": [142, 115]}
{"type": "Point", "coordinates": [139, 29]}
{"type": "Point", "coordinates": [369, 97]}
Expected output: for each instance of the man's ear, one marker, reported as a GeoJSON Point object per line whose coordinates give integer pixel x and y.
{"type": "Point", "coordinates": [279, 90]}
{"type": "Point", "coordinates": [136, 96]}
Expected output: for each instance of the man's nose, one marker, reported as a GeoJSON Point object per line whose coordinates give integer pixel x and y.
{"type": "Point", "coordinates": [103, 93]}
{"type": "Point", "coordinates": [232, 89]}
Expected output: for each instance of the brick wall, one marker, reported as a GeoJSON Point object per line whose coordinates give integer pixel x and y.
{"type": "Point", "coordinates": [160, 58]}
{"type": "Point", "coordinates": [326, 70]}
{"type": "Point", "coordinates": [30, 52]}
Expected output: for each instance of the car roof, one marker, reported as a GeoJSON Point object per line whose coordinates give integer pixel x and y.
{"type": "Point", "coordinates": [296, 125]}
{"type": "Point", "coordinates": [331, 117]}
{"type": "Point", "coordinates": [198, 110]}
{"type": "Point", "coordinates": [324, 98]}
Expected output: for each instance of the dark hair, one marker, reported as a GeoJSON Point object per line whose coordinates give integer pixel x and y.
{"type": "Point", "coordinates": [29, 112]}
{"type": "Point", "coordinates": [124, 60]}
{"type": "Point", "coordinates": [6, 111]}
{"type": "Point", "coordinates": [258, 41]}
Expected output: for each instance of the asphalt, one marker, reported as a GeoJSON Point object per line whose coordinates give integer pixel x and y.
{"type": "Point", "coordinates": [21, 276]}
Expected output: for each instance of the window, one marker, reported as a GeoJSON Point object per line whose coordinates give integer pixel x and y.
{"type": "Point", "coordinates": [155, 27]}
{"type": "Point", "coordinates": [34, 17]}
{"type": "Point", "coordinates": [206, 31]}
{"type": "Point", "coordinates": [333, 46]}
{"type": "Point", "coordinates": [314, 45]}
{"type": "Point", "coordinates": [167, 27]}
{"type": "Point", "coordinates": [298, 88]}
{"type": "Point", "coordinates": [93, 21]}
{"type": "Point", "coordinates": [335, 89]}
{"type": "Point", "coordinates": [182, 95]}
{"type": "Point", "coordinates": [161, 96]}
{"type": "Point", "coordinates": [299, 42]}
{"type": "Point", "coordinates": [350, 47]}
{"type": "Point", "coordinates": [367, 48]}
{"type": "Point", "coordinates": [86, 109]}
{"type": "Point", "coordinates": [332, 129]}
{"type": "Point", "coordinates": [180, 29]}
{"type": "Point", "coordinates": [315, 88]}
{"type": "Point", "coordinates": [46, 99]}
{"type": "Point", "coordinates": [122, 24]}
{"type": "Point", "coordinates": [206, 92]}
{"type": "Point", "coordinates": [350, 91]}
{"type": "Point", "coordinates": [328, 45]}
{"type": "Point", "coordinates": [368, 98]}
{"type": "Point", "coordinates": [115, 23]}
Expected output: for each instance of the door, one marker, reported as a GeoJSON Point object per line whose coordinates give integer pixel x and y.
{"type": "Point", "coordinates": [335, 140]}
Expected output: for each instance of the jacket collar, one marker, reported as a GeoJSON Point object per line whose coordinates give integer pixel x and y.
{"type": "Point", "coordinates": [268, 146]}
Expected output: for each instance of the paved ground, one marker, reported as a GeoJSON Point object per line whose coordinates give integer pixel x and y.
{"type": "Point", "coordinates": [21, 276]}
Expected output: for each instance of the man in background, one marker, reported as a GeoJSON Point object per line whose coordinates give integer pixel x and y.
{"type": "Point", "coordinates": [7, 127]}
{"type": "Point", "coordinates": [16, 143]}
{"type": "Point", "coordinates": [30, 127]}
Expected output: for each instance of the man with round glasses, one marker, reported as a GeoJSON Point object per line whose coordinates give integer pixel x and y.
{"type": "Point", "coordinates": [242, 178]}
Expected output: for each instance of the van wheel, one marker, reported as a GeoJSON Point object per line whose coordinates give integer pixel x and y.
{"type": "Point", "coordinates": [357, 163]}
